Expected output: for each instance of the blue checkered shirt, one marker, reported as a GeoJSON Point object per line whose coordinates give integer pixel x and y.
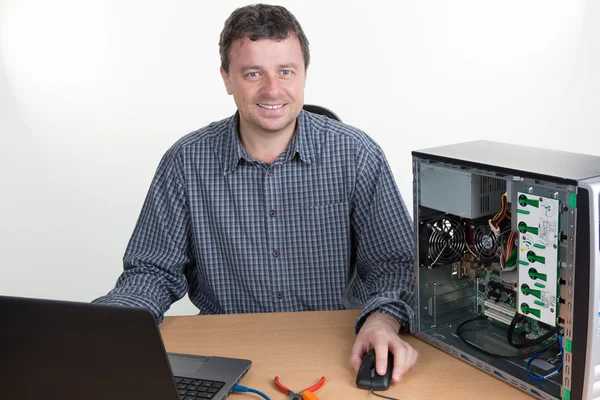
{"type": "Point", "coordinates": [322, 227]}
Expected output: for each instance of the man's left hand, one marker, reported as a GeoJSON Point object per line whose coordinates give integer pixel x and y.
{"type": "Point", "coordinates": [380, 332]}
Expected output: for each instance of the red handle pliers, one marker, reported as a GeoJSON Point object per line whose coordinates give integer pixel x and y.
{"type": "Point", "coordinates": [306, 394]}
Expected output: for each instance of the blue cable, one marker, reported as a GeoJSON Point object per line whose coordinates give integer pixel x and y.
{"type": "Point", "coordinates": [556, 371]}
{"type": "Point", "coordinates": [244, 389]}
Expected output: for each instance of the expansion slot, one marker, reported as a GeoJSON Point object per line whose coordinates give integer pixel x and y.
{"type": "Point", "coordinates": [499, 312]}
{"type": "Point", "coordinates": [497, 316]}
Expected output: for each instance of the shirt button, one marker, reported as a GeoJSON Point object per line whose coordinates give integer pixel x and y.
{"type": "Point", "coordinates": [272, 213]}
{"type": "Point", "coordinates": [270, 172]}
{"type": "Point", "coordinates": [275, 253]}
{"type": "Point", "coordinates": [279, 294]}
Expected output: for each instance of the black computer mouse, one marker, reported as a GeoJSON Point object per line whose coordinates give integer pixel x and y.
{"type": "Point", "coordinates": [368, 378]}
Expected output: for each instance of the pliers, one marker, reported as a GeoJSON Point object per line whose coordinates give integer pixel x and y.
{"type": "Point", "coordinates": [306, 394]}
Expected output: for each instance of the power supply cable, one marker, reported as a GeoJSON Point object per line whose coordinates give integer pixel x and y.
{"type": "Point", "coordinates": [495, 355]}
{"type": "Point", "coordinates": [551, 374]}
{"type": "Point", "coordinates": [509, 334]}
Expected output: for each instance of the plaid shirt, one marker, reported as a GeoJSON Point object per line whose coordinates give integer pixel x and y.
{"type": "Point", "coordinates": [321, 227]}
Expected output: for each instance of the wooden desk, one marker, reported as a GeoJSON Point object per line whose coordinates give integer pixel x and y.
{"type": "Point", "coordinates": [302, 347]}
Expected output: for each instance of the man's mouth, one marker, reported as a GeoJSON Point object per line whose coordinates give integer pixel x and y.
{"type": "Point", "coordinates": [270, 106]}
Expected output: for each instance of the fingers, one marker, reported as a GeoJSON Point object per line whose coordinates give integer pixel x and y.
{"type": "Point", "coordinates": [380, 334]}
{"type": "Point", "coordinates": [405, 356]}
{"type": "Point", "coordinates": [357, 353]}
{"type": "Point", "coordinates": [400, 354]}
{"type": "Point", "coordinates": [414, 358]}
{"type": "Point", "coordinates": [381, 357]}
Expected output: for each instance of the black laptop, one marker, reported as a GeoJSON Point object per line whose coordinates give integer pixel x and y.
{"type": "Point", "coordinates": [60, 350]}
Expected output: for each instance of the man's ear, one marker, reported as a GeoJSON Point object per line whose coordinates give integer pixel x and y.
{"type": "Point", "coordinates": [226, 81]}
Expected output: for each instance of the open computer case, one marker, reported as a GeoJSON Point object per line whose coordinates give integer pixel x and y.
{"type": "Point", "coordinates": [507, 261]}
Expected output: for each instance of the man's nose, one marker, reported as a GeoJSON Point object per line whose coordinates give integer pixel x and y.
{"type": "Point", "coordinates": [271, 85]}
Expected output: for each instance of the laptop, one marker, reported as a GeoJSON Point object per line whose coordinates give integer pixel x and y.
{"type": "Point", "coordinates": [62, 350]}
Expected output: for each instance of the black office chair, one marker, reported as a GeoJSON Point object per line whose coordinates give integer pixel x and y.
{"type": "Point", "coordinates": [321, 110]}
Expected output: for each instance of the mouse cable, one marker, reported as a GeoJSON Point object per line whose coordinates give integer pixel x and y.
{"type": "Point", "coordinates": [244, 389]}
{"type": "Point", "coordinates": [382, 396]}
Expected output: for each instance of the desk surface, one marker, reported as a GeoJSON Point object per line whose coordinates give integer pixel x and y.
{"type": "Point", "coordinates": [302, 347]}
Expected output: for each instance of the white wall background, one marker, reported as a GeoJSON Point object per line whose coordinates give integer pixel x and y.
{"type": "Point", "coordinates": [92, 93]}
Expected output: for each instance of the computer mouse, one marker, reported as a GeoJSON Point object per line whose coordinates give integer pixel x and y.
{"type": "Point", "coordinates": [368, 378]}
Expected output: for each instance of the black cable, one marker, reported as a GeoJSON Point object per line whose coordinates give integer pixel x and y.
{"type": "Point", "coordinates": [382, 396]}
{"type": "Point", "coordinates": [534, 342]}
{"type": "Point", "coordinates": [494, 355]}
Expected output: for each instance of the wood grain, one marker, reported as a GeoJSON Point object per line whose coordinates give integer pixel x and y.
{"type": "Point", "coordinates": [303, 346]}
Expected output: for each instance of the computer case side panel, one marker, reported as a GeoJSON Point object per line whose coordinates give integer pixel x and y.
{"type": "Point", "coordinates": [416, 201]}
{"type": "Point", "coordinates": [576, 303]}
{"type": "Point", "coordinates": [586, 330]}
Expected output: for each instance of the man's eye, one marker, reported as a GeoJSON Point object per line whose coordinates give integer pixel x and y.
{"type": "Point", "coordinates": [286, 72]}
{"type": "Point", "coordinates": [252, 74]}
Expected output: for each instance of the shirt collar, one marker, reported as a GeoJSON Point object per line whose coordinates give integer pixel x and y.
{"type": "Point", "coordinates": [233, 151]}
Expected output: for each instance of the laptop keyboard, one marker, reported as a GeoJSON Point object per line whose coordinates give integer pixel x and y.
{"type": "Point", "coordinates": [196, 389]}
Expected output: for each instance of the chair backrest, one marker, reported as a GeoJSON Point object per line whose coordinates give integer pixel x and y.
{"type": "Point", "coordinates": [321, 110]}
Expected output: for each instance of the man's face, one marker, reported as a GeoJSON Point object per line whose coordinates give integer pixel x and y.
{"type": "Point", "coordinates": [266, 78]}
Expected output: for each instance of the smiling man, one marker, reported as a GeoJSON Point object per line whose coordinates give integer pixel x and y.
{"type": "Point", "coordinates": [275, 208]}
{"type": "Point", "coordinates": [266, 78]}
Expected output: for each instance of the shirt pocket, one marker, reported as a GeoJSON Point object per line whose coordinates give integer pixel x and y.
{"type": "Point", "coordinates": [324, 240]}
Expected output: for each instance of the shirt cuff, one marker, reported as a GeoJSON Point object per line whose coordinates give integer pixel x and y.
{"type": "Point", "coordinates": [131, 301]}
{"type": "Point", "coordinates": [403, 313]}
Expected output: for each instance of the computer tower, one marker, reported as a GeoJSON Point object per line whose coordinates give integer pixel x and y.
{"type": "Point", "coordinates": [507, 256]}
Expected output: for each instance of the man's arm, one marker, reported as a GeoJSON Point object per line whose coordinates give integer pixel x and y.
{"type": "Point", "coordinates": [158, 253]}
{"type": "Point", "coordinates": [383, 235]}
{"type": "Point", "coordinates": [384, 284]}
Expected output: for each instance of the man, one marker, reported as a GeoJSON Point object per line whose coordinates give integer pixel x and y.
{"type": "Point", "coordinates": [275, 208]}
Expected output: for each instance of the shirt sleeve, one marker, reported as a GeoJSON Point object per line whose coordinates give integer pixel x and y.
{"type": "Point", "coordinates": [383, 237]}
{"type": "Point", "coordinates": [158, 254]}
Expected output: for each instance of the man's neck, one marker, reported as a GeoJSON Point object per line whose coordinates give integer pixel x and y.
{"type": "Point", "coordinates": [265, 146]}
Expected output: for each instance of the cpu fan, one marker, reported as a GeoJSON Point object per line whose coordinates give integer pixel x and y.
{"type": "Point", "coordinates": [442, 241]}
{"type": "Point", "coordinates": [485, 243]}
